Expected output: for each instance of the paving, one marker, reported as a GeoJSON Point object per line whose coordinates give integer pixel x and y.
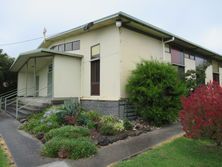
{"type": "Point", "coordinates": [24, 149]}
{"type": "Point", "coordinates": [131, 146]}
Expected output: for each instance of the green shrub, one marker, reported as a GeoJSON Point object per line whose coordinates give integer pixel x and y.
{"type": "Point", "coordinates": [69, 131]}
{"type": "Point", "coordinates": [155, 89]}
{"type": "Point", "coordinates": [110, 125]}
{"type": "Point", "coordinates": [93, 116]}
{"type": "Point", "coordinates": [37, 123]}
{"type": "Point", "coordinates": [33, 121]}
{"type": "Point", "coordinates": [127, 124]}
{"type": "Point", "coordinates": [88, 119]}
{"type": "Point", "coordinates": [74, 148]}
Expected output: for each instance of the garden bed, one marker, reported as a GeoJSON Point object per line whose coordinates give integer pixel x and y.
{"type": "Point", "coordinates": [63, 129]}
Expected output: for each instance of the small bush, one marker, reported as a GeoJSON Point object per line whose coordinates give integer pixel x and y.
{"type": "Point", "coordinates": [201, 115]}
{"type": "Point", "coordinates": [127, 124]}
{"type": "Point", "coordinates": [89, 119]}
{"type": "Point", "coordinates": [37, 123]}
{"type": "Point", "coordinates": [69, 131]}
{"type": "Point", "coordinates": [110, 125]}
{"type": "Point", "coordinates": [71, 148]}
{"type": "Point", "coordinates": [155, 89]}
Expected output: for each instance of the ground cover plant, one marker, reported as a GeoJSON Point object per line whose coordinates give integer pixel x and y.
{"type": "Point", "coordinates": [182, 152]}
{"type": "Point", "coordinates": [154, 89]}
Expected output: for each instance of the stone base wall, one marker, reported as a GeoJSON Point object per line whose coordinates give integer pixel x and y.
{"type": "Point", "coordinates": [104, 107]}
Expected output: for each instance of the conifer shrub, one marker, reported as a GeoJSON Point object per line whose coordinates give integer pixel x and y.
{"type": "Point", "coordinates": [154, 89]}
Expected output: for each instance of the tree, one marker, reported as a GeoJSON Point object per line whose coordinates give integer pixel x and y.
{"type": "Point", "coordinates": [194, 78]}
{"type": "Point", "coordinates": [201, 116]}
{"type": "Point", "coordinates": [7, 78]}
{"type": "Point", "coordinates": [154, 89]}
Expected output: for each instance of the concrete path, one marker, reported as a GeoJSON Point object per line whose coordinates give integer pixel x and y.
{"type": "Point", "coordinates": [24, 149]}
{"type": "Point", "coordinates": [131, 146]}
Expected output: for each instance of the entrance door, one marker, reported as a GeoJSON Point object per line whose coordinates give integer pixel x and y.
{"type": "Point", "coordinates": [49, 90]}
{"type": "Point", "coordinates": [37, 86]}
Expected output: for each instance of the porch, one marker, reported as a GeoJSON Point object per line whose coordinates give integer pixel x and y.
{"type": "Point", "coordinates": [43, 76]}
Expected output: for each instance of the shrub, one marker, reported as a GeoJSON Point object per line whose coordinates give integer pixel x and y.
{"type": "Point", "coordinates": [89, 119]}
{"type": "Point", "coordinates": [69, 148]}
{"type": "Point", "coordinates": [37, 123]}
{"type": "Point", "coordinates": [69, 113]}
{"type": "Point", "coordinates": [127, 124]}
{"type": "Point", "coordinates": [201, 115]}
{"type": "Point", "coordinates": [110, 125]}
{"type": "Point", "coordinates": [155, 89]}
{"type": "Point", "coordinates": [71, 132]}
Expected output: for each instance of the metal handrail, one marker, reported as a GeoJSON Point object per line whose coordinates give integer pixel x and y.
{"type": "Point", "coordinates": [15, 98]}
{"type": "Point", "coordinates": [2, 94]}
{"type": "Point", "coordinates": [15, 92]}
{"type": "Point", "coordinates": [17, 103]}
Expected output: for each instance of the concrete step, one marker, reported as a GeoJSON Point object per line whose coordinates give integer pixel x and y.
{"type": "Point", "coordinates": [27, 107]}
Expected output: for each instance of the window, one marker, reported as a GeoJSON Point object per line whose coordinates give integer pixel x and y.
{"type": "Point", "coordinates": [69, 46]}
{"type": "Point", "coordinates": [177, 57]}
{"type": "Point", "coordinates": [181, 71]}
{"type": "Point", "coordinates": [216, 77]}
{"type": "Point", "coordinates": [95, 51]}
{"type": "Point", "coordinates": [199, 60]}
{"type": "Point", "coordinates": [56, 48]}
{"type": "Point", "coordinates": [95, 77]}
{"type": "Point", "coordinates": [61, 47]}
{"type": "Point", "coordinates": [76, 45]}
{"type": "Point", "coordinates": [95, 70]}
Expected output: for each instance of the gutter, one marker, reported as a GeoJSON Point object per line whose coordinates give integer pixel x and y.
{"type": "Point", "coordinates": [164, 43]}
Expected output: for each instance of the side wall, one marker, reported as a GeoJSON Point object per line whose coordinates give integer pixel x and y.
{"type": "Point", "coordinates": [108, 38]}
{"type": "Point", "coordinates": [136, 47]}
{"type": "Point", "coordinates": [66, 77]}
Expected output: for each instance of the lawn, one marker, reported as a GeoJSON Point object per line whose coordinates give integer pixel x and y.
{"type": "Point", "coordinates": [181, 152]}
{"type": "Point", "coordinates": [4, 162]}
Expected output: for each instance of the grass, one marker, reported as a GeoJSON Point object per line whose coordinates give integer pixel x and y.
{"type": "Point", "coordinates": [4, 161]}
{"type": "Point", "coordinates": [181, 152]}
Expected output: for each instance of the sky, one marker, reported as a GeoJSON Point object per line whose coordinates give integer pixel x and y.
{"type": "Point", "coordinates": [199, 21]}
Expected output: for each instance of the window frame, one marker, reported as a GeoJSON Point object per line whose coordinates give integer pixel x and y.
{"type": "Point", "coordinates": [94, 60]}
{"type": "Point", "coordinates": [96, 56]}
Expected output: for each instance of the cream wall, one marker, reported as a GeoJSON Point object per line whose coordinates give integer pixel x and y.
{"type": "Point", "coordinates": [23, 80]}
{"type": "Point", "coordinates": [189, 64]}
{"type": "Point", "coordinates": [209, 74]}
{"type": "Point", "coordinates": [21, 84]}
{"type": "Point", "coordinates": [220, 75]}
{"type": "Point", "coordinates": [28, 79]}
{"type": "Point", "coordinates": [43, 81]}
{"type": "Point", "coordinates": [66, 77]}
{"type": "Point", "coordinates": [134, 48]}
{"type": "Point", "coordinates": [108, 38]}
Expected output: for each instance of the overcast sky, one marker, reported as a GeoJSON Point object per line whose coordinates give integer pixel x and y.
{"type": "Point", "coordinates": [199, 21]}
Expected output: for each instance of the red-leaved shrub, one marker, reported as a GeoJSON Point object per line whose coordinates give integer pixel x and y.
{"type": "Point", "coordinates": [201, 116]}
